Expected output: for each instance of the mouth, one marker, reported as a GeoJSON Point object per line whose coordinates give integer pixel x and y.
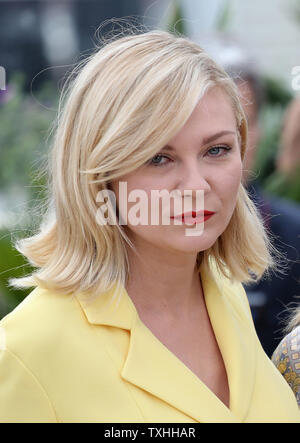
{"type": "Point", "coordinates": [193, 217]}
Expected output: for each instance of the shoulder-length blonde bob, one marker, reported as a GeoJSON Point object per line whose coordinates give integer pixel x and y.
{"type": "Point", "coordinates": [126, 102]}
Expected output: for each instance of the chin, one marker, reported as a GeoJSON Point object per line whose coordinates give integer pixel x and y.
{"type": "Point", "coordinates": [193, 244]}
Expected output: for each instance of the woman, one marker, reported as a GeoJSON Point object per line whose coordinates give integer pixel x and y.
{"type": "Point", "coordinates": [286, 356]}
{"type": "Point", "coordinates": [144, 322]}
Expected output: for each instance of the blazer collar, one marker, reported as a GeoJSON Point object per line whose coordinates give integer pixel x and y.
{"type": "Point", "coordinates": [153, 367]}
{"type": "Point", "coordinates": [113, 308]}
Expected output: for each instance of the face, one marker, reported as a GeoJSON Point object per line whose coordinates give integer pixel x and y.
{"type": "Point", "coordinates": [204, 155]}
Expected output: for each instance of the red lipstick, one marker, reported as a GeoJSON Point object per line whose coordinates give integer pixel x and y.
{"type": "Point", "coordinates": [194, 217]}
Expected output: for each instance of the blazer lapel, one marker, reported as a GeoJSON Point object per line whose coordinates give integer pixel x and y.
{"type": "Point", "coordinates": [154, 368]}
{"type": "Point", "coordinates": [151, 366]}
{"type": "Point", "coordinates": [235, 336]}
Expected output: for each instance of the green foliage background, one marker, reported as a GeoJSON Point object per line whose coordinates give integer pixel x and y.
{"type": "Point", "coordinates": [25, 136]}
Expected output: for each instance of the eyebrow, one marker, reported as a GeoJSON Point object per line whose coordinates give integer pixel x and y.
{"type": "Point", "coordinates": [207, 140]}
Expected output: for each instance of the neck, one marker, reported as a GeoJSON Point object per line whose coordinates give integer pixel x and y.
{"type": "Point", "coordinates": [163, 284]}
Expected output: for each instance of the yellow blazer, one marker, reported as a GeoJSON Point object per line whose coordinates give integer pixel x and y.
{"type": "Point", "coordinates": [67, 359]}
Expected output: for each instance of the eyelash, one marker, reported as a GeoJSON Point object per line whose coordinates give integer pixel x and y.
{"type": "Point", "coordinates": [225, 152]}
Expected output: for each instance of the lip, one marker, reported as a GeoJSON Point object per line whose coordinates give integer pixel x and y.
{"type": "Point", "coordinates": [193, 215]}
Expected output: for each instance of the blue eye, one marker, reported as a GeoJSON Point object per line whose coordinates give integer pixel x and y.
{"type": "Point", "coordinates": [215, 151]}
{"type": "Point", "coordinates": [158, 163]}
{"type": "Point", "coordinates": [225, 151]}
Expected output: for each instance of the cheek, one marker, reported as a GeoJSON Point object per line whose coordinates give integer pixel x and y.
{"type": "Point", "coordinates": [228, 183]}
{"type": "Point", "coordinates": [138, 191]}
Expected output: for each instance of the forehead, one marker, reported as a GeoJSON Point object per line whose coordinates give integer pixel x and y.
{"type": "Point", "coordinates": [215, 104]}
{"type": "Point", "coordinates": [213, 114]}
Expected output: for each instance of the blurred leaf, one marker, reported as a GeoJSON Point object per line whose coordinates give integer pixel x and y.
{"type": "Point", "coordinates": [285, 186]}
{"type": "Point", "coordinates": [277, 97]}
{"type": "Point", "coordinates": [224, 18]}
{"type": "Point", "coordinates": [24, 127]}
{"type": "Point", "coordinates": [270, 120]}
{"type": "Point", "coordinates": [176, 20]}
{"type": "Point", "coordinates": [265, 163]}
{"type": "Point", "coordinates": [294, 11]}
{"type": "Point", "coordinates": [276, 92]}
{"type": "Point", "coordinates": [25, 121]}
{"type": "Point", "coordinates": [12, 264]}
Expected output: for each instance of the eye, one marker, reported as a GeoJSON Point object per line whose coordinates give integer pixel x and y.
{"type": "Point", "coordinates": [215, 150]}
{"type": "Point", "coordinates": [155, 161]}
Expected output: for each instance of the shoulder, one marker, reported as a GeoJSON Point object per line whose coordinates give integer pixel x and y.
{"type": "Point", "coordinates": [33, 339]}
{"type": "Point", "coordinates": [40, 320]}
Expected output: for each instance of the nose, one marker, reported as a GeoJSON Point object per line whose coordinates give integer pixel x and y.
{"type": "Point", "coordinates": [192, 187]}
{"type": "Point", "coordinates": [193, 178]}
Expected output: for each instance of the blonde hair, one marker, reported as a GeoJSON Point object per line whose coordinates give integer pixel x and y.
{"type": "Point", "coordinates": [126, 102]}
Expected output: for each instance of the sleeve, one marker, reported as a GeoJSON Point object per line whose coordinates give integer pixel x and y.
{"type": "Point", "coordinates": [22, 398]}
